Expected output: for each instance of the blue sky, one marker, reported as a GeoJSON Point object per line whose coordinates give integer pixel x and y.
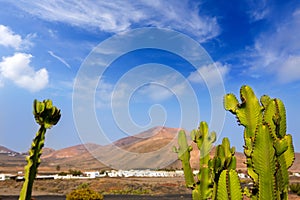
{"type": "Point", "coordinates": [45, 44]}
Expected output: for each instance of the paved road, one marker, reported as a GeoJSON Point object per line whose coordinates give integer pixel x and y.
{"type": "Point", "coordinates": [112, 197]}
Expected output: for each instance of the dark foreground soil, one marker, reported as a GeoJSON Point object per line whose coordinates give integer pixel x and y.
{"type": "Point", "coordinates": [113, 197]}
{"type": "Point", "coordinates": [128, 197]}
{"type": "Point", "coordinates": [112, 188]}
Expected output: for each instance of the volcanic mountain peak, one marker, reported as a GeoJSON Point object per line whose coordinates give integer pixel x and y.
{"type": "Point", "coordinates": [153, 134]}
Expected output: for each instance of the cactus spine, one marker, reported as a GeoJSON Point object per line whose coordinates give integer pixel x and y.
{"type": "Point", "coordinates": [209, 184]}
{"type": "Point", "coordinates": [269, 150]}
{"type": "Point", "coordinates": [46, 115]}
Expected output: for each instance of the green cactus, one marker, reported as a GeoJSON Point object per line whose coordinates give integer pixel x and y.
{"type": "Point", "coordinates": [204, 141]}
{"type": "Point", "coordinates": [229, 186]}
{"type": "Point", "coordinates": [46, 115]}
{"type": "Point", "coordinates": [184, 155]}
{"type": "Point", "coordinates": [210, 169]}
{"type": "Point", "coordinates": [224, 160]}
{"type": "Point", "coordinates": [269, 150]}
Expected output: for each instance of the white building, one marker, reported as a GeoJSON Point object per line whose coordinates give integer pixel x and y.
{"type": "Point", "coordinates": [296, 174]}
{"type": "Point", "coordinates": [242, 175]}
{"type": "Point", "coordinates": [2, 177]}
{"type": "Point", "coordinates": [94, 174]}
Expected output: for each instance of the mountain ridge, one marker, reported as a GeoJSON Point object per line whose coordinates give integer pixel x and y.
{"type": "Point", "coordinates": [130, 152]}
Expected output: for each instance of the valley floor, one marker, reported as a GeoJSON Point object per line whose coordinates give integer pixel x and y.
{"type": "Point", "coordinates": [123, 188]}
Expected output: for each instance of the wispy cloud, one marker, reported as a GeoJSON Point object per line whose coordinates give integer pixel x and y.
{"type": "Point", "coordinates": [60, 59]}
{"type": "Point", "coordinates": [158, 91]}
{"type": "Point", "coordinates": [278, 52]}
{"type": "Point", "coordinates": [17, 68]}
{"type": "Point", "coordinates": [117, 16]}
{"type": "Point", "coordinates": [162, 90]}
{"type": "Point", "coordinates": [211, 74]}
{"type": "Point", "coordinates": [258, 9]}
{"type": "Point", "coordinates": [1, 82]}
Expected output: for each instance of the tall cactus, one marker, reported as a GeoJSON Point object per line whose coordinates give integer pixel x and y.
{"type": "Point", "coordinates": [184, 155]}
{"type": "Point", "coordinates": [46, 115]}
{"type": "Point", "coordinates": [210, 169]}
{"type": "Point", "coordinates": [225, 160]}
{"type": "Point", "coordinates": [229, 186]}
{"type": "Point", "coordinates": [269, 150]}
{"type": "Point", "coordinates": [204, 141]}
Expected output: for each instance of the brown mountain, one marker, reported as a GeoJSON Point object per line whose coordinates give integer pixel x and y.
{"type": "Point", "coordinates": [148, 141]}
{"type": "Point", "coordinates": [149, 149]}
{"type": "Point", "coordinates": [296, 166]}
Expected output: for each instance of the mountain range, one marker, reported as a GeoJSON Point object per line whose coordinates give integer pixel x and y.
{"type": "Point", "coordinates": [149, 149]}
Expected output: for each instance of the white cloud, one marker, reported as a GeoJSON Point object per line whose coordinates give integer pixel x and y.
{"type": "Point", "coordinates": [116, 16]}
{"type": "Point", "coordinates": [211, 74]}
{"type": "Point", "coordinates": [17, 68]}
{"type": "Point", "coordinates": [59, 58]}
{"type": "Point", "coordinates": [278, 52]}
{"type": "Point", "coordinates": [10, 39]}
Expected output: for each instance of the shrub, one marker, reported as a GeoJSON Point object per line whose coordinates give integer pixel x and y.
{"type": "Point", "coordinates": [295, 188]}
{"type": "Point", "coordinates": [84, 194]}
{"type": "Point", "coordinates": [75, 172]}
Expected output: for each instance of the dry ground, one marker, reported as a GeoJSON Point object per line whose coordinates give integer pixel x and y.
{"type": "Point", "coordinates": [108, 185]}
{"type": "Point", "coordinates": [151, 186]}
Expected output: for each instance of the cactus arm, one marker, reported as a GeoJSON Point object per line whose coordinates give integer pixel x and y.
{"type": "Point", "coordinates": [204, 141]}
{"type": "Point", "coordinates": [196, 195]}
{"type": "Point", "coordinates": [289, 154]}
{"type": "Point", "coordinates": [275, 116]}
{"type": "Point", "coordinates": [265, 168]}
{"type": "Point", "coordinates": [234, 185]}
{"type": "Point", "coordinates": [229, 186]}
{"type": "Point", "coordinates": [183, 153]}
{"type": "Point", "coordinates": [265, 100]}
{"type": "Point", "coordinates": [224, 160]}
{"type": "Point", "coordinates": [33, 161]}
{"type": "Point", "coordinates": [230, 103]}
{"type": "Point", "coordinates": [285, 161]}
{"type": "Point", "coordinates": [205, 183]}
{"type": "Point", "coordinates": [280, 118]}
{"type": "Point", "coordinates": [222, 193]}
{"type": "Point", "coordinates": [248, 112]}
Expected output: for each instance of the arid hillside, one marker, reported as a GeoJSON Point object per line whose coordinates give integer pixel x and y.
{"type": "Point", "coordinates": [149, 149]}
